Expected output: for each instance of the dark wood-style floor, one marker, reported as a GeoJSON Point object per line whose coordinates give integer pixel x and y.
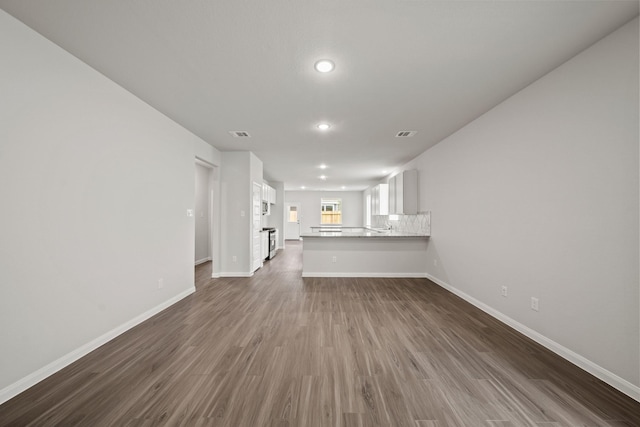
{"type": "Point", "coordinates": [279, 350]}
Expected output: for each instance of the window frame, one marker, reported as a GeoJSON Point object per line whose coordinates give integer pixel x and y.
{"type": "Point", "coordinates": [335, 203]}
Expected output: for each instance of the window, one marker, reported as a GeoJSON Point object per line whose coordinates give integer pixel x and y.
{"type": "Point", "coordinates": [293, 214]}
{"type": "Point", "coordinates": [331, 211]}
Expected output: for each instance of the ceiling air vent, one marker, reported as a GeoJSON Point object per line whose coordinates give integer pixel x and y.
{"type": "Point", "coordinates": [239, 134]}
{"type": "Point", "coordinates": [406, 133]}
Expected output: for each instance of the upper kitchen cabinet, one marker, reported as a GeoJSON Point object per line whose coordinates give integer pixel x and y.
{"type": "Point", "coordinates": [268, 194]}
{"type": "Point", "coordinates": [403, 193]}
{"type": "Point", "coordinates": [272, 195]}
{"type": "Point", "coordinates": [380, 200]}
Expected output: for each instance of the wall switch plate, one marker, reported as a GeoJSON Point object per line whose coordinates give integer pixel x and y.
{"type": "Point", "coordinates": [534, 304]}
{"type": "Point", "coordinates": [503, 291]}
{"type": "Point", "coordinates": [435, 262]}
{"type": "Point", "coordinates": [334, 259]}
{"type": "Point", "coordinates": [160, 283]}
{"type": "Point", "coordinates": [189, 212]}
{"type": "Point", "coordinates": [234, 258]}
{"type": "Point", "coordinates": [241, 213]}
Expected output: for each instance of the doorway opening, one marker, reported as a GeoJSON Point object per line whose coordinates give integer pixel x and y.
{"type": "Point", "coordinates": [292, 221]}
{"type": "Point", "coordinates": [203, 213]}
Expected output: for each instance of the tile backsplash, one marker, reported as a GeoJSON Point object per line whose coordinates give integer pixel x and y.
{"type": "Point", "coordinates": [419, 223]}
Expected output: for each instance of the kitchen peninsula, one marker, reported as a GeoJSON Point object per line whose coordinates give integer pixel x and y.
{"type": "Point", "coordinates": [364, 252]}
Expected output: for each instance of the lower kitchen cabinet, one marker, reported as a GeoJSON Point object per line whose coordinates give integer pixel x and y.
{"type": "Point", "coordinates": [265, 244]}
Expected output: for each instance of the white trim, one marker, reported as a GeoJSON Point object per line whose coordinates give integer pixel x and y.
{"type": "Point", "coordinates": [369, 274]}
{"type": "Point", "coordinates": [215, 275]}
{"type": "Point", "coordinates": [594, 369]}
{"type": "Point", "coordinates": [203, 260]}
{"type": "Point", "coordinates": [33, 378]}
{"type": "Point", "coordinates": [235, 274]}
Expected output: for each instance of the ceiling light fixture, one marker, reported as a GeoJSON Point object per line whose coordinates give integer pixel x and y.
{"type": "Point", "coordinates": [323, 166]}
{"type": "Point", "coordinates": [323, 177]}
{"type": "Point", "coordinates": [324, 66]}
{"type": "Point", "coordinates": [302, 187]}
{"type": "Point", "coordinates": [324, 126]}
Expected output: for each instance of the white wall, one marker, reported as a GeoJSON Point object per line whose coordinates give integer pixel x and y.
{"type": "Point", "coordinates": [238, 171]}
{"type": "Point", "coordinates": [202, 214]}
{"type": "Point", "coordinates": [352, 204]}
{"type": "Point", "coordinates": [235, 212]}
{"type": "Point", "coordinates": [541, 195]}
{"type": "Point", "coordinates": [95, 186]}
{"type": "Point", "coordinates": [206, 152]}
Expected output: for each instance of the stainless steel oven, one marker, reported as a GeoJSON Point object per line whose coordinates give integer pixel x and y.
{"type": "Point", "coordinates": [272, 241]}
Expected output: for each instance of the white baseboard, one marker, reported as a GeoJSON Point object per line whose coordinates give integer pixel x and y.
{"type": "Point", "coordinates": [594, 369]}
{"type": "Point", "coordinates": [203, 260]}
{"type": "Point", "coordinates": [373, 275]}
{"type": "Point", "coordinates": [235, 274]}
{"type": "Point", "coordinates": [32, 379]}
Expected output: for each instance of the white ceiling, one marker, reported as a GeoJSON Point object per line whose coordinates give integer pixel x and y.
{"type": "Point", "coordinates": [220, 66]}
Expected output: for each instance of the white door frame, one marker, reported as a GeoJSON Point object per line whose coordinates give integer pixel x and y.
{"type": "Point", "coordinates": [289, 229]}
{"type": "Point", "coordinates": [214, 214]}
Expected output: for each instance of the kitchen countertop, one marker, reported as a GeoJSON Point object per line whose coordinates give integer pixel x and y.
{"type": "Point", "coordinates": [365, 233]}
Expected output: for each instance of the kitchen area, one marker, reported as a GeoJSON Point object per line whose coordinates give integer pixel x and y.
{"type": "Point", "coordinates": [393, 242]}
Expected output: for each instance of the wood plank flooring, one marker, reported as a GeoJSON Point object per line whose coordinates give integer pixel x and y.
{"type": "Point", "coordinates": [279, 350]}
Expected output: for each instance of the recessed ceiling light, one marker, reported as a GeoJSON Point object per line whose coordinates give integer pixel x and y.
{"type": "Point", "coordinates": [324, 66]}
{"type": "Point", "coordinates": [323, 177]}
{"type": "Point", "coordinates": [324, 126]}
{"type": "Point", "coordinates": [384, 171]}
{"type": "Point", "coordinates": [302, 187]}
{"type": "Point", "coordinates": [343, 187]}
{"type": "Point", "coordinates": [323, 166]}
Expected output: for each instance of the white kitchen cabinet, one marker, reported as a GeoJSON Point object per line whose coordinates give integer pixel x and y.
{"type": "Point", "coordinates": [380, 200]}
{"type": "Point", "coordinates": [272, 196]}
{"type": "Point", "coordinates": [265, 192]}
{"type": "Point", "coordinates": [265, 244]}
{"type": "Point", "coordinates": [403, 193]}
{"type": "Point", "coordinates": [268, 194]}
{"type": "Point", "coordinates": [256, 261]}
{"type": "Point", "coordinates": [392, 194]}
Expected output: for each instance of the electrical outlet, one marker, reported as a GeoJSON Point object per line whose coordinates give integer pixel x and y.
{"type": "Point", "coordinates": [334, 259]}
{"type": "Point", "coordinates": [534, 304]}
{"type": "Point", "coordinates": [234, 258]}
{"type": "Point", "coordinates": [160, 283]}
{"type": "Point", "coordinates": [503, 291]}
